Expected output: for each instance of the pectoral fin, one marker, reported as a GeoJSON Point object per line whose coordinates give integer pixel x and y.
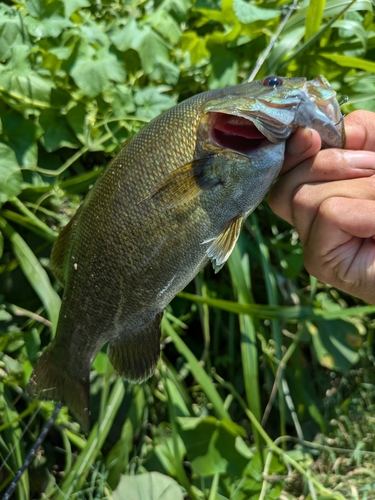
{"type": "Point", "coordinates": [135, 356]}
{"type": "Point", "coordinates": [222, 246]}
{"type": "Point", "coordinates": [185, 183]}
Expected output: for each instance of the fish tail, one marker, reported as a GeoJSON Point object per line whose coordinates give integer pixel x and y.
{"type": "Point", "coordinates": [52, 380]}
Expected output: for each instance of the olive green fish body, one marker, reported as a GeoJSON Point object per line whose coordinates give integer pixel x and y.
{"type": "Point", "coordinates": [174, 198]}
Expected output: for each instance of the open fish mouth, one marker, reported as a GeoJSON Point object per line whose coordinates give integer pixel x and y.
{"type": "Point", "coordinates": [253, 115]}
{"type": "Point", "coordinates": [236, 133]}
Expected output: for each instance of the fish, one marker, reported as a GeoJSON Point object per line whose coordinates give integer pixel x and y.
{"type": "Point", "coordinates": [174, 198]}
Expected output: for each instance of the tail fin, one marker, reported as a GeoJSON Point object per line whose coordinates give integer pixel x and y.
{"type": "Point", "coordinates": [52, 381]}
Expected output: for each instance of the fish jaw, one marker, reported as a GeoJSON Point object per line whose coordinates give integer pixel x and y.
{"type": "Point", "coordinates": [323, 96]}
{"type": "Point", "coordinates": [273, 114]}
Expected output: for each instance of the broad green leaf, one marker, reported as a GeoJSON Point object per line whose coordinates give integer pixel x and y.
{"type": "Point", "coordinates": [10, 174]}
{"type": "Point", "coordinates": [71, 6]}
{"type": "Point", "coordinates": [248, 13]}
{"type": "Point", "coordinates": [224, 67]}
{"type": "Point", "coordinates": [77, 118]}
{"type": "Point", "coordinates": [212, 462]}
{"type": "Point", "coordinates": [47, 27]}
{"type": "Point", "coordinates": [152, 49]}
{"type": "Point", "coordinates": [165, 25]}
{"type": "Point", "coordinates": [61, 53]}
{"type": "Point", "coordinates": [44, 8]}
{"type": "Point", "coordinates": [152, 485]}
{"type": "Point", "coordinates": [195, 45]}
{"type": "Point", "coordinates": [211, 445]}
{"type": "Point", "coordinates": [178, 7]}
{"type": "Point", "coordinates": [19, 80]}
{"type": "Point", "coordinates": [24, 145]}
{"type": "Point", "coordinates": [121, 99]}
{"type": "Point", "coordinates": [336, 343]}
{"type": "Point", "coordinates": [10, 31]}
{"type": "Point", "coordinates": [151, 102]}
{"type": "Point", "coordinates": [93, 71]}
{"type": "Point", "coordinates": [57, 133]}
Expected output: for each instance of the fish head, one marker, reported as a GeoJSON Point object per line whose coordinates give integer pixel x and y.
{"type": "Point", "coordinates": [248, 126]}
{"type": "Point", "coordinates": [252, 115]}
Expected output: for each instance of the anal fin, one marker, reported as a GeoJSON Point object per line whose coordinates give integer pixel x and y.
{"type": "Point", "coordinates": [135, 356]}
{"type": "Point", "coordinates": [222, 246]}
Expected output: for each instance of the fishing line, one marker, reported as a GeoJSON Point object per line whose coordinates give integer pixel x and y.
{"type": "Point", "coordinates": [32, 452]}
{"type": "Point", "coordinates": [268, 49]}
{"type": "Point", "coordinates": [21, 436]}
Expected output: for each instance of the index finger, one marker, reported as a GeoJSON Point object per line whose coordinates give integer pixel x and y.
{"type": "Point", "coordinates": [360, 130]}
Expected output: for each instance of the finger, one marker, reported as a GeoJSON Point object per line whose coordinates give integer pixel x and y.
{"type": "Point", "coordinates": [303, 144]}
{"type": "Point", "coordinates": [309, 197]}
{"type": "Point", "coordinates": [360, 130]}
{"type": "Point", "coordinates": [328, 165]}
{"type": "Point", "coordinates": [341, 247]}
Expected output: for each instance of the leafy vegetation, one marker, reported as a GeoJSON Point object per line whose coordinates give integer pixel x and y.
{"type": "Point", "coordinates": [266, 384]}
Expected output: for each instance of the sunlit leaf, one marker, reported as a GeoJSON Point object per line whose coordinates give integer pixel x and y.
{"type": "Point", "coordinates": [250, 13]}
{"type": "Point", "coordinates": [351, 62]}
{"type": "Point", "coordinates": [151, 102]}
{"type": "Point", "coordinates": [93, 71]}
{"type": "Point", "coordinates": [10, 174]}
{"type": "Point", "coordinates": [146, 486]}
{"type": "Point", "coordinates": [195, 45]}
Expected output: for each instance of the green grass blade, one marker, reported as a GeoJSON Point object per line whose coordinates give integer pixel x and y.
{"type": "Point", "coordinates": [272, 294]}
{"type": "Point", "coordinates": [314, 38]}
{"type": "Point", "coordinates": [198, 372]}
{"type": "Point", "coordinates": [48, 233]}
{"type": "Point", "coordinates": [34, 272]}
{"type": "Point", "coordinates": [13, 440]}
{"type": "Point", "coordinates": [314, 17]}
{"type": "Point", "coordinates": [240, 273]}
{"type": "Point", "coordinates": [350, 62]}
{"type": "Point", "coordinates": [284, 313]}
{"type": "Point", "coordinates": [180, 471]}
{"type": "Point", "coordinates": [94, 444]}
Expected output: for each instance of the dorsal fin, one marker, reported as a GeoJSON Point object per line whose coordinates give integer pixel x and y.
{"type": "Point", "coordinates": [222, 246]}
{"type": "Point", "coordinates": [60, 250]}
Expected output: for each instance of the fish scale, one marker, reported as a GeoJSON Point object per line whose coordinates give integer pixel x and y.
{"type": "Point", "coordinates": [173, 198]}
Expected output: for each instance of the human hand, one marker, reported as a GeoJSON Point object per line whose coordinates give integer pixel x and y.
{"type": "Point", "coordinates": [330, 200]}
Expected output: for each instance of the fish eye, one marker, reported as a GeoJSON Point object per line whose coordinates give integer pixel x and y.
{"type": "Point", "coordinates": [272, 81]}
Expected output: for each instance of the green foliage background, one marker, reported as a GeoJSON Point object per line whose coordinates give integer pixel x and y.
{"type": "Point", "coordinates": [266, 385]}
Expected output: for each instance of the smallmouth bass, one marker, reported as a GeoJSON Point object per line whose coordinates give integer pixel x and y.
{"type": "Point", "coordinates": [174, 198]}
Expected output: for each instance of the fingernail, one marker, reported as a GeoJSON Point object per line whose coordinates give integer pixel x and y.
{"type": "Point", "coordinates": [300, 142]}
{"type": "Point", "coordinates": [360, 159]}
